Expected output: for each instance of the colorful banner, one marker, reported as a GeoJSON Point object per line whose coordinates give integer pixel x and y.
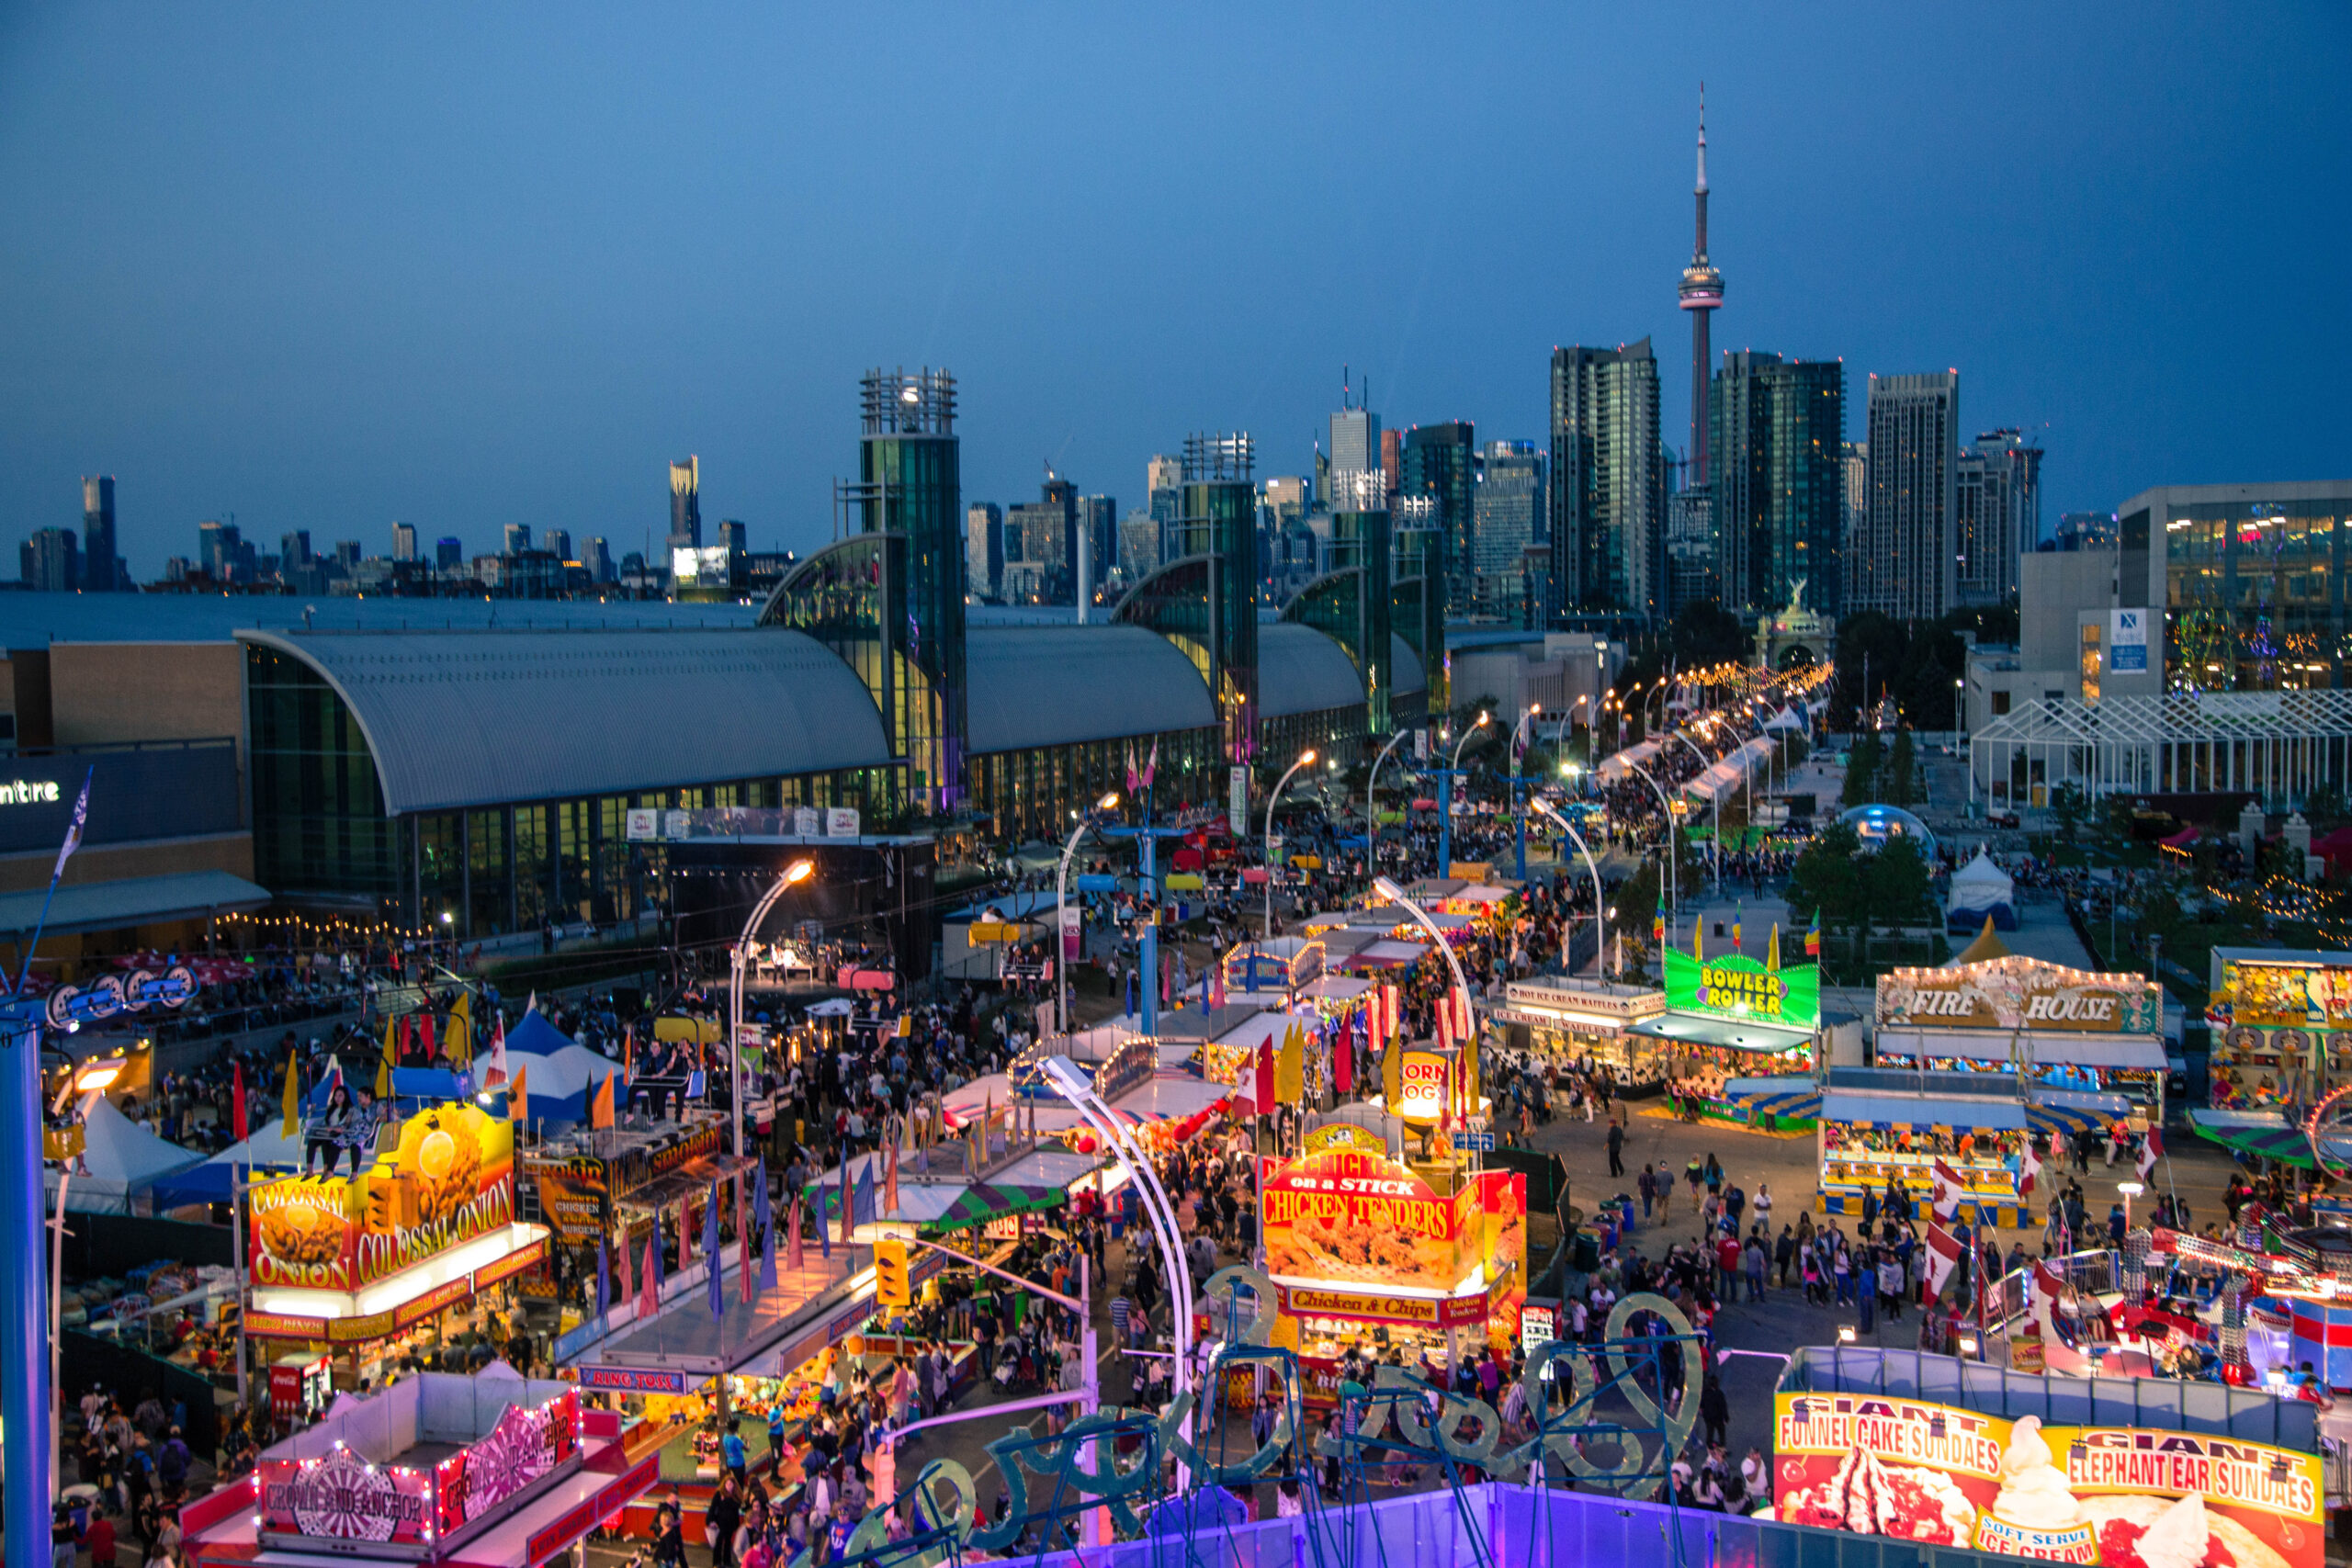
{"type": "Point", "coordinates": [1347, 1217]}
{"type": "Point", "coordinates": [1734, 985]}
{"type": "Point", "coordinates": [340, 1496]}
{"type": "Point", "coordinates": [1368, 1306]}
{"type": "Point", "coordinates": [2019, 993]}
{"type": "Point", "coordinates": [450, 1179]}
{"type": "Point", "coordinates": [2281, 996]}
{"type": "Point", "coordinates": [2126, 1497]}
{"type": "Point", "coordinates": [1423, 1086]}
{"type": "Point", "coordinates": [572, 1198]}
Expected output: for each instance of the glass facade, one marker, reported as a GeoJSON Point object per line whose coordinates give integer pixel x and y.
{"type": "Point", "coordinates": [1030, 794]}
{"type": "Point", "coordinates": [2255, 595]}
{"type": "Point", "coordinates": [1219, 523]}
{"type": "Point", "coordinates": [1352, 605]}
{"type": "Point", "coordinates": [1779, 481]}
{"type": "Point", "coordinates": [1441, 463]}
{"type": "Point", "coordinates": [319, 827]}
{"type": "Point", "coordinates": [911, 488]}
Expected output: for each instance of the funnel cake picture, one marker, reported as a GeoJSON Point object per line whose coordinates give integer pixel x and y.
{"type": "Point", "coordinates": [1868, 1497]}
{"type": "Point", "coordinates": [2167, 1532]}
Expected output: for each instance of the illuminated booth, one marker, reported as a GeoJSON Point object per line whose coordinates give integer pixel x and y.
{"type": "Point", "coordinates": [2049, 1026]}
{"type": "Point", "coordinates": [1730, 1017]}
{"type": "Point", "coordinates": [1882, 1127]}
{"type": "Point", "coordinates": [2283, 1026]}
{"type": "Point", "coordinates": [1567, 1017]}
{"type": "Point", "coordinates": [363, 1267]}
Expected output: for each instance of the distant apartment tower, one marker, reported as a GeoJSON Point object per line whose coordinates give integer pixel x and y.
{"type": "Point", "coordinates": [685, 505]}
{"type": "Point", "coordinates": [2085, 531]}
{"type": "Point", "coordinates": [983, 548]}
{"type": "Point", "coordinates": [598, 556]}
{"type": "Point", "coordinates": [1608, 512]}
{"type": "Point", "coordinates": [556, 542]}
{"type": "Point", "coordinates": [98, 553]}
{"type": "Point", "coordinates": [1507, 524]}
{"type": "Point", "coordinates": [51, 562]}
{"type": "Point", "coordinates": [293, 550]}
{"type": "Point", "coordinates": [735, 537]}
{"type": "Point", "coordinates": [519, 539]}
{"type": "Point", "coordinates": [1098, 523]}
{"type": "Point", "coordinates": [1996, 514]}
{"type": "Point", "coordinates": [1441, 463]}
{"type": "Point", "coordinates": [448, 552]}
{"type": "Point", "coordinates": [1139, 536]}
{"type": "Point", "coordinates": [403, 541]}
{"type": "Point", "coordinates": [1906, 566]}
{"type": "Point", "coordinates": [1356, 442]}
{"type": "Point", "coordinates": [1164, 499]}
{"type": "Point", "coordinates": [1779, 481]}
{"type": "Point", "coordinates": [1855, 456]}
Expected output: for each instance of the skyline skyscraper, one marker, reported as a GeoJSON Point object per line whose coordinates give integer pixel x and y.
{"type": "Point", "coordinates": [403, 541]}
{"type": "Point", "coordinates": [685, 505]}
{"type": "Point", "coordinates": [1355, 441]}
{"type": "Point", "coordinates": [97, 572]}
{"type": "Point", "coordinates": [1441, 463]}
{"type": "Point", "coordinates": [1607, 480]}
{"type": "Point", "coordinates": [1701, 293]}
{"type": "Point", "coordinates": [1996, 514]}
{"type": "Point", "coordinates": [1906, 565]}
{"type": "Point", "coordinates": [51, 562]}
{"type": "Point", "coordinates": [1507, 518]}
{"type": "Point", "coordinates": [983, 548]}
{"type": "Point", "coordinates": [1778, 494]}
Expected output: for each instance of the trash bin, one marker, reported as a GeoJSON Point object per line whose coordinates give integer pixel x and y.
{"type": "Point", "coordinates": [1586, 1257]}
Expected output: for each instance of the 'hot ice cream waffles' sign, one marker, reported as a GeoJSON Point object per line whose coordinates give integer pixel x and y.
{"type": "Point", "coordinates": [2123, 1498]}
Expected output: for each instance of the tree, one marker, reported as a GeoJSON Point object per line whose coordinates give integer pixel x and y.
{"type": "Point", "coordinates": [2068, 807]}
{"type": "Point", "coordinates": [1900, 768]}
{"type": "Point", "coordinates": [1861, 768]}
{"type": "Point", "coordinates": [1896, 881]}
{"type": "Point", "coordinates": [1827, 878]}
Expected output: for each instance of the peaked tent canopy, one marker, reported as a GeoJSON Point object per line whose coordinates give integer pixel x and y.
{"type": "Point", "coordinates": [1982, 890]}
{"type": "Point", "coordinates": [122, 1158]}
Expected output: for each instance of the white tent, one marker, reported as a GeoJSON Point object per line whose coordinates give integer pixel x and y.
{"type": "Point", "coordinates": [1981, 888]}
{"type": "Point", "coordinates": [1618, 764]}
{"type": "Point", "coordinates": [121, 1159]}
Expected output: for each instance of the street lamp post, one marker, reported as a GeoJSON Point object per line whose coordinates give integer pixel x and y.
{"type": "Point", "coordinates": [1304, 758]}
{"type": "Point", "coordinates": [1517, 781]}
{"type": "Point", "coordinates": [1715, 801]}
{"type": "Point", "coordinates": [1372, 801]}
{"type": "Point", "coordinates": [1445, 798]}
{"type": "Point", "coordinates": [1673, 843]}
{"type": "Point", "coordinates": [1061, 893]}
{"type": "Point", "coordinates": [794, 874]}
{"type": "Point", "coordinates": [1599, 910]}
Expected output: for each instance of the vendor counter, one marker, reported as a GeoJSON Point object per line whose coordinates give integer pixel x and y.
{"type": "Point", "coordinates": [1988, 1189]}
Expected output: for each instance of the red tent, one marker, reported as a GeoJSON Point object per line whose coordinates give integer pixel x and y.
{"type": "Point", "coordinates": [2336, 848]}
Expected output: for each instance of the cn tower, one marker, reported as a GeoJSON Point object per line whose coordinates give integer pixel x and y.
{"type": "Point", "coordinates": [1702, 291]}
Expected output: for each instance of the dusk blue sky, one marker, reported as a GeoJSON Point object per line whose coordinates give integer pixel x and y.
{"type": "Point", "coordinates": [328, 266]}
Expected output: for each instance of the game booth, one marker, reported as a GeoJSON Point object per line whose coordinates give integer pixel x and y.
{"type": "Point", "coordinates": [360, 1272]}
{"type": "Point", "coordinates": [1994, 1012]}
{"type": "Point", "coordinates": [2281, 1022]}
{"type": "Point", "coordinates": [1881, 1127]}
{"type": "Point", "coordinates": [1427, 1259]}
{"type": "Point", "coordinates": [487, 1470]}
{"type": "Point", "coordinates": [1730, 1017]}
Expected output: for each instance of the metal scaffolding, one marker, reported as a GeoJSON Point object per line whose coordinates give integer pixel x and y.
{"type": "Point", "coordinates": [2281, 746]}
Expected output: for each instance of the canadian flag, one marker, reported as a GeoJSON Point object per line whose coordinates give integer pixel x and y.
{"type": "Point", "coordinates": [1945, 1196]}
{"type": "Point", "coordinates": [1943, 1256]}
{"type": "Point", "coordinates": [2151, 1149]}
{"type": "Point", "coordinates": [2028, 1171]}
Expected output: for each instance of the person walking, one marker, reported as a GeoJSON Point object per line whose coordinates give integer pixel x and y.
{"type": "Point", "coordinates": [1616, 1147]}
{"type": "Point", "coordinates": [1646, 1184]}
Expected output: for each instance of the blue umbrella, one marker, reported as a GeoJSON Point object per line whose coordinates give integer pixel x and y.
{"type": "Point", "coordinates": [824, 1220]}
{"type": "Point", "coordinates": [710, 1255]}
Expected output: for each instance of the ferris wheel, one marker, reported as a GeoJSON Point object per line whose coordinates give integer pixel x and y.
{"type": "Point", "coordinates": [2328, 1128]}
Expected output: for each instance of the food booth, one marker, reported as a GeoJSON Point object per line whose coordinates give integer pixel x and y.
{"type": "Point", "coordinates": [365, 1269]}
{"type": "Point", "coordinates": [1425, 1258]}
{"type": "Point", "coordinates": [1568, 1018]}
{"type": "Point", "coordinates": [2282, 1026]}
{"type": "Point", "coordinates": [2071, 1030]}
{"type": "Point", "coordinates": [1879, 1127]}
{"type": "Point", "coordinates": [1730, 1017]}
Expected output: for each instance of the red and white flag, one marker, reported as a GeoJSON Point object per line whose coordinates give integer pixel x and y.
{"type": "Point", "coordinates": [2028, 1171]}
{"type": "Point", "coordinates": [1943, 1256]}
{"type": "Point", "coordinates": [1262, 1086]}
{"type": "Point", "coordinates": [2151, 1149]}
{"type": "Point", "coordinates": [1945, 1196]}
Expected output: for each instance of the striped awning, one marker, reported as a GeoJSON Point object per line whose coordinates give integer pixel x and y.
{"type": "Point", "coordinates": [1797, 1099]}
{"type": "Point", "coordinates": [2266, 1136]}
{"type": "Point", "coordinates": [2071, 1114]}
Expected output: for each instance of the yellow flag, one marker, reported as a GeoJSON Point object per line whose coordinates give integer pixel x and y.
{"type": "Point", "coordinates": [1392, 1071]}
{"type": "Point", "coordinates": [518, 1093]}
{"type": "Point", "coordinates": [293, 1098]}
{"type": "Point", "coordinates": [384, 1066]}
{"type": "Point", "coordinates": [460, 1043]}
{"type": "Point", "coordinates": [1290, 1067]}
{"type": "Point", "coordinates": [1772, 955]}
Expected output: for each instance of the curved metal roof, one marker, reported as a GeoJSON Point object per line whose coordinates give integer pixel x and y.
{"type": "Point", "coordinates": [484, 718]}
{"type": "Point", "coordinates": [1405, 672]}
{"type": "Point", "coordinates": [1302, 671]}
{"type": "Point", "coordinates": [1060, 685]}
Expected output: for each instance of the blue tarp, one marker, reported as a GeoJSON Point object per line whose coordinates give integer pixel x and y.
{"type": "Point", "coordinates": [534, 1035]}
{"type": "Point", "coordinates": [426, 1083]}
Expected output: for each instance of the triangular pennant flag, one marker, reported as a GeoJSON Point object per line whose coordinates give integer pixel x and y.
{"type": "Point", "coordinates": [764, 1216]}
{"type": "Point", "coordinates": [825, 1222]}
{"type": "Point", "coordinates": [237, 1112]}
{"type": "Point", "coordinates": [791, 1246]}
{"type": "Point", "coordinates": [628, 1270]}
{"type": "Point", "coordinates": [1943, 1256]}
{"type": "Point", "coordinates": [293, 1125]}
{"type": "Point", "coordinates": [2151, 1149]}
{"type": "Point", "coordinates": [603, 1278]}
{"type": "Point", "coordinates": [461, 1030]}
{"type": "Point", "coordinates": [750, 1278]}
{"type": "Point", "coordinates": [600, 1104]}
{"type": "Point", "coordinates": [890, 1179]}
{"type": "Point", "coordinates": [424, 1036]}
{"type": "Point", "coordinates": [1772, 954]}
{"type": "Point", "coordinates": [1813, 935]}
{"type": "Point", "coordinates": [648, 1278]}
{"type": "Point", "coordinates": [518, 1095]}
{"type": "Point", "coordinates": [711, 1257]}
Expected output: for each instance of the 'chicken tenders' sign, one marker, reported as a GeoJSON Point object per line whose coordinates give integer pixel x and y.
{"type": "Point", "coordinates": [450, 1179]}
{"type": "Point", "coordinates": [1364, 1219]}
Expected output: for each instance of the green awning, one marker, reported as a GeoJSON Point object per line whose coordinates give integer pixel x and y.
{"type": "Point", "coordinates": [984, 1203]}
{"type": "Point", "coordinates": [2268, 1137]}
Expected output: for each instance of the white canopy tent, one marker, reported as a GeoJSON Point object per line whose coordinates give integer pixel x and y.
{"type": "Point", "coordinates": [1980, 890]}
{"type": "Point", "coordinates": [1618, 764]}
{"type": "Point", "coordinates": [119, 1159]}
